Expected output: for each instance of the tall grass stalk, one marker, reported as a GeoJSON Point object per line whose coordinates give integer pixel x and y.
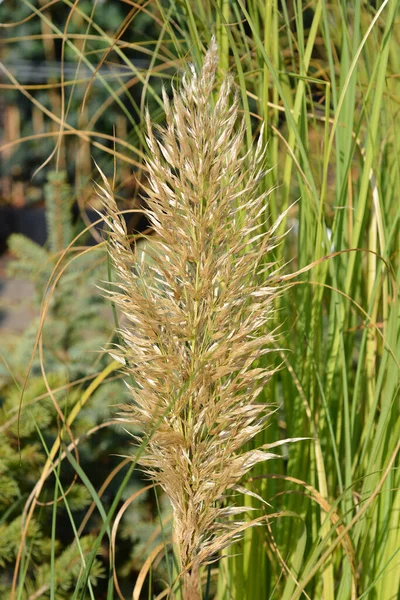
{"type": "Point", "coordinates": [198, 312]}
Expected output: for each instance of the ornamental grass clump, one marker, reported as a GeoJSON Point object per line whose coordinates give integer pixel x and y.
{"type": "Point", "coordinates": [196, 318]}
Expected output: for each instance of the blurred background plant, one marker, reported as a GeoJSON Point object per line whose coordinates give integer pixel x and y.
{"type": "Point", "coordinates": [324, 77]}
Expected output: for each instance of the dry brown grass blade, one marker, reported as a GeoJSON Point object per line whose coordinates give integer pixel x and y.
{"type": "Point", "coordinates": [145, 569]}
{"type": "Point", "coordinates": [114, 530]}
{"type": "Point", "coordinates": [50, 288]}
{"type": "Point", "coordinates": [123, 88]}
{"type": "Point", "coordinates": [164, 594]}
{"type": "Point", "coordinates": [374, 326]}
{"type": "Point", "coordinates": [282, 562]}
{"type": "Point", "coordinates": [60, 433]}
{"type": "Point", "coordinates": [84, 135]}
{"type": "Point", "coordinates": [31, 503]}
{"type": "Point", "coordinates": [121, 30]}
{"type": "Point", "coordinates": [331, 514]}
{"type": "Point", "coordinates": [344, 532]}
{"type": "Point", "coordinates": [29, 17]}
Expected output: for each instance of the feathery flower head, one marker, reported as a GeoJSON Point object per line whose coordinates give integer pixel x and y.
{"type": "Point", "coordinates": [195, 315]}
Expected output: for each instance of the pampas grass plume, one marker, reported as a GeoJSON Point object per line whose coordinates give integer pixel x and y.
{"type": "Point", "coordinates": [196, 317]}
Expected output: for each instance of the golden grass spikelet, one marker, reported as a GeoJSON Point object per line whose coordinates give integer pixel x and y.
{"type": "Point", "coordinates": [195, 315]}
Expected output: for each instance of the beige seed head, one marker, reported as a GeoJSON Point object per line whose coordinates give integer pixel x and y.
{"type": "Point", "coordinates": [196, 317]}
